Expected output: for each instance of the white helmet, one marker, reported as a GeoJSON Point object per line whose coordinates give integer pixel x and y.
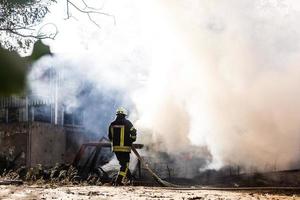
{"type": "Point", "coordinates": [121, 111]}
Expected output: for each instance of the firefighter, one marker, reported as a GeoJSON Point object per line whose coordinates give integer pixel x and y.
{"type": "Point", "coordinates": [122, 134]}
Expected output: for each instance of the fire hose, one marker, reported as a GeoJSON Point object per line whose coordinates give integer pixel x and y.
{"type": "Point", "coordinates": [176, 187]}
{"type": "Point", "coordinates": [154, 176]}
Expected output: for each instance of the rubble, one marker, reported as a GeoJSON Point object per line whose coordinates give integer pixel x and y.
{"type": "Point", "coordinates": [61, 174]}
{"type": "Point", "coordinates": [11, 182]}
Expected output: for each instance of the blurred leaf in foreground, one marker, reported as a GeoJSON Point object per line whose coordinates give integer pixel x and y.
{"type": "Point", "coordinates": [12, 72]}
{"type": "Point", "coordinates": [14, 68]}
{"type": "Point", "coordinates": [39, 50]}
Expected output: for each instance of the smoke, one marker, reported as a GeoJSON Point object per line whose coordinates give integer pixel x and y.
{"type": "Point", "coordinates": [226, 76]}
{"type": "Point", "coordinates": [84, 86]}
{"type": "Point", "coordinates": [216, 74]}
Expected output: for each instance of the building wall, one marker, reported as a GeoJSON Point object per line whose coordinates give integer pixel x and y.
{"type": "Point", "coordinates": [47, 144]}
{"type": "Point", "coordinates": [41, 143]}
{"type": "Point", "coordinates": [13, 141]}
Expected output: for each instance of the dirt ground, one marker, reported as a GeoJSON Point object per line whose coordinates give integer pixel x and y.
{"type": "Point", "coordinates": [118, 193]}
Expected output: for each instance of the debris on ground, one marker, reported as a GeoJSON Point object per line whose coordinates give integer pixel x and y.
{"type": "Point", "coordinates": [61, 174]}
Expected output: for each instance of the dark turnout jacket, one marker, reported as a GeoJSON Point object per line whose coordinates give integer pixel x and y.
{"type": "Point", "coordinates": [122, 134]}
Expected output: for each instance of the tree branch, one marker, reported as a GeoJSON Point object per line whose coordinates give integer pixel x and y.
{"type": "Point", "coordinates": [92, 8]}
{"type": "Point", "coordinates": [23, 21]}
{"type": "Point", "coordinates": [29, 35]}
{"type": "Point", "coordinates": [93, 21]}
{"type": "Point", "coordinates": [38, 36]}
{"type": "Point", "coordinates": [87, 12]}
{"type": "Point", "coordinates": [50, 36]}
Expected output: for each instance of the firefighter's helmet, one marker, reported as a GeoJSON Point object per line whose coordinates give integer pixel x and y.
{"type": "Point", "coordinates": [121, 111]}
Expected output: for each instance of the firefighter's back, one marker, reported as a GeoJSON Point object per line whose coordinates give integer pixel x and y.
{"type": "Point", "coordinates": [121, 135]}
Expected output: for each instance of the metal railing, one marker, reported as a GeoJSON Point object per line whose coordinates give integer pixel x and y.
{"type": "Point", "coordinates": [19, 102]}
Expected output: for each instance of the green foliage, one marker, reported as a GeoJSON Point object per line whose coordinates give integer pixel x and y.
{"type": "Point", "coordinates": [13, 68]}
{"type": "Point", "coordinates": [39, 50]}
{"type": "Point", "coordinates": [17, 2]}
{"type": "Point", "coordinates": [18, 19]}
{"type": "Point", "coordinates": [12, 72]}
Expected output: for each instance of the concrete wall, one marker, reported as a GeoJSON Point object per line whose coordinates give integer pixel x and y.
{"type": "Point", "coordinates": [41, 143]}
{"type": "Point", "coordinates": [13, 141]}
{"type": "Point", "coordinates": [47, 144]}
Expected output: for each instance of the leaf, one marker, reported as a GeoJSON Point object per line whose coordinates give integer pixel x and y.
{"type": "Point", "coordinates": [39, 50]}
{"type": "Point", "coordinates": [13, 70]}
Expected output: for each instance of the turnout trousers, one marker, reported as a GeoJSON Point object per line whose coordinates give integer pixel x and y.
{"type": "Point", "coordinates": [124, 172]}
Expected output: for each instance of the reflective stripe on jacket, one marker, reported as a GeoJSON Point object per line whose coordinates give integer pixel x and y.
{"type": "Point", "coordinates": [122, 134]}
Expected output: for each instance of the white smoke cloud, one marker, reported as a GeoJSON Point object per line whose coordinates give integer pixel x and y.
{"type": "Point", "coordinates": [221, 74]}
{"type": "Point", "coordinates": [225, 75]}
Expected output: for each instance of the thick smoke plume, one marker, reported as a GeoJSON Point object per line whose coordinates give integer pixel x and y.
{"type": "Point", "coordinates": [221, 74]}
{"type": "Point", "coordinates": [226, 75]}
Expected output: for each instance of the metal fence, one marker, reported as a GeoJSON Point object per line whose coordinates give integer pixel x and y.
{"type": "Point", "coordinates": [19, 102]}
